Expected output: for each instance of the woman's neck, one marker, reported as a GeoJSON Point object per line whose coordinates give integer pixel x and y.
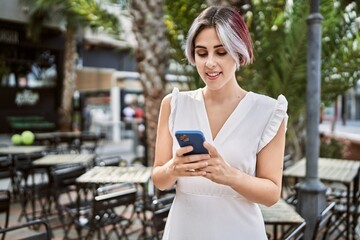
{"type": "Point", "coordinates": [225, 94]}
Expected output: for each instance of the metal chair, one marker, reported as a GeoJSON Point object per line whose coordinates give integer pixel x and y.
{"type": "Point", "coordinates": [161, 209]}
{"type": "Point", "coordinates": [64, 192]}
{"type": "Point", "coordinates": [32, 184]}
{"type": "Point", "coordinates": [40, 235]}
{"type": "Point", "coordinates": [323, 222]}
{"type": "Point", "coordinates": [113, 160]}
{"type": "Point", "coordinates": [113, 205]}
{"type": "Point", "coordinates": [297, 233]}
{"type": "Point", "coordinates": [289, 191]}
{"type": "Point", "coordinates": [5, 197]}
{"type": "Point", "coordinates": [5, 208]}
{"type": "Point", "coordinates": [153, 213]}
{"type": "Point", "coordinates": [89, 141]}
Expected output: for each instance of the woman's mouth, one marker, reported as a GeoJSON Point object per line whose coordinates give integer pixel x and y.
{"type": "Point", "coordinates": [213, 75]}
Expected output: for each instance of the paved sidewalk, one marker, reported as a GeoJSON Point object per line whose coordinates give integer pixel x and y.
{"type": "Point", "coordinates": [349, 131]}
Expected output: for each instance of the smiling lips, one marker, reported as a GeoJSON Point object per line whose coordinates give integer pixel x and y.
{"type": "Point", "coordinates": [212, 75]}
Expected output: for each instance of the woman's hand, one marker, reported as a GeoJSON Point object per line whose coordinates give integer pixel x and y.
{"type": "Point", "coordinates": [218, 170]}
{"type": "Point", "coordinates": [190, 165]}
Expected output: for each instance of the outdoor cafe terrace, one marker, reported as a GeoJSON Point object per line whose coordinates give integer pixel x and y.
{"type": "Point", "coordinates": [82, 184]}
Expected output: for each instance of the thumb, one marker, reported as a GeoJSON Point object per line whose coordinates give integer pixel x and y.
{"type": "Point", "coordinates": [211, 149]}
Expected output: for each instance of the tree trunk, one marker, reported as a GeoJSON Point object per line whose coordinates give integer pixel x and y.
{"type": "Point", "coordinates": [65, 110]}
{"type": "Point", "coordinates": [152, 58]}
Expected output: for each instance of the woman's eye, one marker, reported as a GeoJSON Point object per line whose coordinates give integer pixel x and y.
{"type": "Point", "coordinates": [201, 54]}
{"type": "Point", "coordinates": [222, 53]}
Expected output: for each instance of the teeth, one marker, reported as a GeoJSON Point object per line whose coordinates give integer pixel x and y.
{"type": "Point", "coordinates": [213, 74]}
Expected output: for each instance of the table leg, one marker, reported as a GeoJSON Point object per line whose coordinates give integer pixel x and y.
{"type": "Point", "coordinates": [348, 214]}
{"type": "Point", "coordinates": [275, 232]}
{"type": "Point", "coordinates": [355, 200]}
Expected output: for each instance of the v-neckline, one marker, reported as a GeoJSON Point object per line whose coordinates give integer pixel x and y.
{"type": "Point", "coordinates": [227, 121]}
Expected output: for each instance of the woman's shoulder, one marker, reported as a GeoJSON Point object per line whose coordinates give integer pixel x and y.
{"type": "Point", "coordinates": [183, 94]}
{"type": "Point", "coordinates": [267, 101]}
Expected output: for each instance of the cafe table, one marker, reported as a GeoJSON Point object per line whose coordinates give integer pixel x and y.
{"type": "Point", "coordinates": [116, 174]}
{"type": "Point", "coordinates": [281, 214]}
{"type": "Point", "coordinates": [49, 161]}
{"type": "Point", "coordinates": [13, 150]}
{"type": "Point", "coordinates": [61, 159]}
{"type": "Point", "coordinates": [103, 175]}
{"type": "Point", "coordinates": [340, 171]}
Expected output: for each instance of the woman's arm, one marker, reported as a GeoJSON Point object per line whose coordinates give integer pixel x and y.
{"type": "Point", "coordinates": [265, 187]}
{"type": "Point", "coordinates": [166, 166]}
{"type": "Point", "coordinates": [163, 148]}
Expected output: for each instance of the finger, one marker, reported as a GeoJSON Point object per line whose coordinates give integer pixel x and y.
{"type": "Point", "coordinates": [197, 158]}
{"type": "Point", "coordinates": [196, 173]}
{"type": "Point", "coordinates": [181, 151]}
{"type": "Point", "coordinates": [211, 149]}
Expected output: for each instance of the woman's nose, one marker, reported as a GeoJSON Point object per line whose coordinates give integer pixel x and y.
{"type": "Point", "coordinates": [210, 62]}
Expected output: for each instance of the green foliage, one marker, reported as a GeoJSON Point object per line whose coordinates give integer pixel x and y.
{"type": "Point", "coordinates": [340, 48]}
{"type": "Point", "coordinates": [279, 32]}
{"type": "Point", "coordinates": [331, 148]}
{"type": "Point", "coordinates": [73, 14]}
{"type": "Point", "coordinates": [280, 45]}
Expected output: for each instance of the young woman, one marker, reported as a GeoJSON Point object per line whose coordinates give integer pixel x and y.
{"type": "Point", "coordinates": [217, 193]}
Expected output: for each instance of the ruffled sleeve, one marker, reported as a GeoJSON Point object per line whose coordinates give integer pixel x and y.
{"type": "Point", "coordinates": [279, 114]}
{"type": "Point", "coordinates": [173, 103]}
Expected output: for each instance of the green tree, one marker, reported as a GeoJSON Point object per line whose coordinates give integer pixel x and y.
{"type": "Point", "coordinates": [74, 15]}
{"type": "Point", "coordinates": [279, 33]}
{"type": "Point", "coordinates": [280, 38]}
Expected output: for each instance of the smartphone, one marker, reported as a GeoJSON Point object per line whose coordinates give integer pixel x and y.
{"type": "Point", "coordinates": [194, 138]}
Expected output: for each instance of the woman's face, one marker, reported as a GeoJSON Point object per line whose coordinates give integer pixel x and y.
{"type": "Point", "coordinates": [215, 66]}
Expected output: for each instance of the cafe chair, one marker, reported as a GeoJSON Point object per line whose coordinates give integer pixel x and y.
{"type": "Point", "coordinates": [64, 192]}
{"type": "Point", "coordinates": [31, 184]}
{"type": "Point", "coordinates": [111, 214]}
{"type": "Point", "coordinates": [323, 222]}
{"type": "Point", "coordinates": [6, 168]}
{"type": "Point", "coordinates": [43, 232]}
{"type": "Point", "coordinates": [113, 160]}
{"type": "Point", "coordinates": [297, 233]}
{"type": "Point", "coordinates": [89, 142]}
{"type": "Point", "coordinates": [289, 191]}
{"type": "Point", "coordinates": [5, 209]}
{"type": "Point", "coordinates": [5, 196]}
{"type": "Point", "coordinates": [339, 225]}
{"type": "Point", "coordinates": [153, 214]}
{"type": "Point", "coordinates": [161, 209]}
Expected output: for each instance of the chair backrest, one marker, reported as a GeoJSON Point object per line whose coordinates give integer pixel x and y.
{"type": "Point", "coordinates": [161, 209]}
{"type": "Point", "coordinates": [65, 177]}
{"type": "Point", "coordinates": [323, 222]}
{"type": "Point", "coordinates": [113, 160]}
{"type": "Point", "coordinates": [114, 196]}
{"type": "Point", "coordinates": [297, 233]}
{"type": "Point", "coordinates": [288, 161]}
{"type": "Point", "coordinates": [24, 161]}
{"type": "Point", "coordinates": [41, 235]}
{"type": "Point", "coordinates": [5, 167]}
{"type": "Point", "coordinates": [5, 208]}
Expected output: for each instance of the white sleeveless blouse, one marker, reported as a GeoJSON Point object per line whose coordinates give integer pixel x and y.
{"type": "Point", "coordinates": [202, 209]}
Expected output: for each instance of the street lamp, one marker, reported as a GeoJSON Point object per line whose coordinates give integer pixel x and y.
{"type": "Point", "coordinates": [311, 191]}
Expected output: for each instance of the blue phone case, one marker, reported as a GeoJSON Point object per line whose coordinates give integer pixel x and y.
{"type": "Point", "coordinates": [194, 138]}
